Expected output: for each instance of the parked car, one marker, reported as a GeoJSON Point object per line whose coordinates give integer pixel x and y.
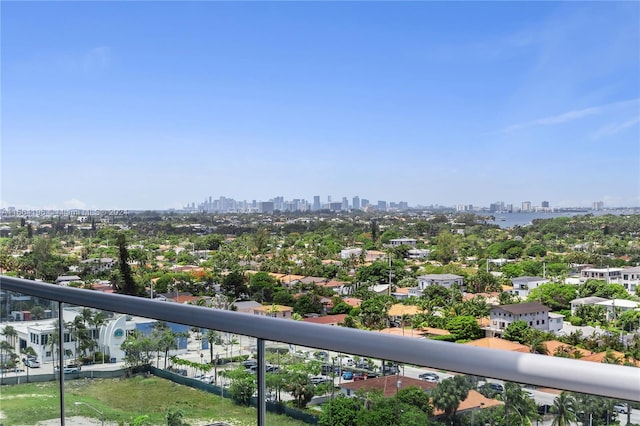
{"type": "Point", "coordinates": [249, 363]}
{"type": "Point", "coordinates": [66, 370]}
{"type": "Point", "coordinates": [318, 380]}
{"type": "Point", "coordinates": [371, 375]}
{"type": "Point", "coordinates": [496, 387]}
{"type": "Point", "coordinates": [429, 377]}
{"type": "Point", "coordinates": [359, 376]}
{"type": "Point", "coordinates": [347, 375]}
{"type": "Point", "coordinates": [272, 369]}
{"type": "Point", "coordinates": [620, 408]}
{"type": "Point", "coordinates": [390, 369]}
{"type": "Point", "coordinates": [31, 363]}
{"type": "Point", "coordinates": [74, 365]}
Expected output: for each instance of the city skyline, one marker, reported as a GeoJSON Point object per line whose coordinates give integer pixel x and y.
{"type": "Point", "coordinates": [151, 105]}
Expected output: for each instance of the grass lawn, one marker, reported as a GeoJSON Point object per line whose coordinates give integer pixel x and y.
{"type": "Point", "coordinates": [122, 400]}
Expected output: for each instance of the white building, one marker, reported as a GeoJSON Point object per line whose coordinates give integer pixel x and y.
{"type": "Point", "coordinates": [397, 242]}
{"type": "Point", "coordinates": [39, 335]}
{"type": "Point", "coordinates": [630, 279]}
{"type": "Point", "coordinates": [616, 306]}
{"type": "Point", "coordinates": [535, 314]}
{"type": "Point", "coordinates": [523, 285]}
{"type": "Point", "coordinates": [418, 253]}
{"type": "Point", "coordinates": [605, 274]}
{"type": "Point", "coordinates": [349, 252]}
{"type": "Point", "coordinates": [444, 280]}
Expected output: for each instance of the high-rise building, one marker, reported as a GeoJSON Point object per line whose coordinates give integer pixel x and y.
{"type": "Point", "coordinates": [356, 203]}
{"type": "Point", "coordinates": [266, 207]}
{"type": "Point", "coordinates": [345, 204]}
{"type": "Point", "coordinates": [364, 203]}
{"type": "Point", "coordinates": [316, 203]}
{"type": "Point", "coordinates": [335, 207]}
{"type": "Point", "coordinates": [545, 204]}
{"type": "Point", "coordinates": [382, 205]}
{"type": "Point", "coordinates": [598, 205]}
{"type": "Point", "coordinates": [526, 206]}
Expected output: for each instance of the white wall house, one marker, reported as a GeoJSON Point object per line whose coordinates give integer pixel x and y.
{"type": "Point", "coordinates": [535, 314]}
{"type": "Point", "coordinates": [606, 274]}
{"type": "Point", "coordinates": [617, 306]}
{"type": "Point", "coordinates": [444, 280]}
{"type": "Point", "coordinates": [108, 337]}
{"type": "Point", "coordinates": [523, 285]}
{"type": "Point", "coordinates": [396, 242]}
{"type": "Point", "coordinates": [348, 252]}
{"type": "Point", "coordinates": [630, 279]}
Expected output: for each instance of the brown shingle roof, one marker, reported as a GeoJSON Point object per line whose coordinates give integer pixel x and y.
{"type": "Point", "coordinates": [388, 384]}
{"type": "Point", "coordinates": [327, 319]}
{"type": "Point", "coordinates": [496, 343]}
{"type": "Point", "coordinates": [523, 308]}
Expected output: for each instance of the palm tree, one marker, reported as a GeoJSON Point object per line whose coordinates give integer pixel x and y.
{"type": "Point", "coordinates": [448, 395]}
{"type": "Point", "coordinates": [10, 334]}
{"type": "Point", "coordinates": [518, 407]}
{"type": "Point", "coordinates": [564, 409]}
{"type": "Point", "coordinates": [537, 346]}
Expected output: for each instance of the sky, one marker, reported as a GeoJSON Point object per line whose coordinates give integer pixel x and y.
{"type": "Point", "coordinates": [153, 105]}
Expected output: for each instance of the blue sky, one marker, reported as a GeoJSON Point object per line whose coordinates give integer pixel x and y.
{"type": "Point", "coordinates": [144, 105]}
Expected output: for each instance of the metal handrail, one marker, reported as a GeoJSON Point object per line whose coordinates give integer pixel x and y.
{"type": "Point", "coordinates": [614, 381]}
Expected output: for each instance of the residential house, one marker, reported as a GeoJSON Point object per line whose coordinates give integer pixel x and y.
{"type": "Point", "coordinates": [617, 306]}
{"type": "Point", "coordinates": [535, 314]}
{"type": "Point", "coordinates": [631, 279]}
{"type": "Point", "coordinates": [397, 242]}
{"type": "Point", "coordinates": [444, 280]}
{"type": "Point", "coordinates": [500, 344]}
{"type": "Point", "coordinates": [65, 280]}
{"type": "Point", "coordinates": [350, 252]}
{"type": "Point", "coordinates": [388, 385]}
{"type": "Point", "coordinates": [97, 265]}
{"type": "Point", "coordinates": [418, 253]}
{"type": "Point", "coordinates": [523, 285]}
{"type": "Point", "coordinates": [605, 274]}
{"type": "Point", "coordinates": [274, 311]}
{"type": "Point", "coordinates": [399, 313]}
{"type": "Point", "coordinates": [327, 319]}
{"type": "Point", "coordinates": [585, 301]}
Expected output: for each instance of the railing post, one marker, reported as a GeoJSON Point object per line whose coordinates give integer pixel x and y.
{"type": "Point", "coordinates": [61, 360]}
{"type": "Point", "coordinates": [262, 388]}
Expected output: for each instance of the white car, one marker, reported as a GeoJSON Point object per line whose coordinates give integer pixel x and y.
{"type": "Point", "coordinates": [620, 408]}
{"type": "Point", "coordinates": [32, 363]}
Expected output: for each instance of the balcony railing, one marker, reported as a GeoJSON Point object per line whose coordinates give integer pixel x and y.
{"type": "Point", "coordinates": [608, 380]}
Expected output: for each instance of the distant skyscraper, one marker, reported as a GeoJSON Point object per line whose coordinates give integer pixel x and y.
{"type": "Point", "coordinates": [335, 207]}
{"type": "Point", "coordinates": [329, 199]}
{"type": "Point", "coordinates": [266, 207]}
{"type": "Point", "coordinates": [345, 203]}
{"type": "Point", "coordinates": [316, 202]}
{"type": "Point", "coordinates": [545, 204]}
{"type": "Point", "coordinates": [598, 205]}
{"type": "Point", "coordinates": [382, 205]}
{"type": "Point", "coordinates": [526, 206]}
{"type": "Point", "coordinates": [364, 203]}
{"type": "Point", "coordinates": [356, 203]}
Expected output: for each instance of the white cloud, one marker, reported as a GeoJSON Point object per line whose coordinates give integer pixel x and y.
{"type": "Point", "coordinates": [568, 116]}
{"type": "Point", "coordinates": [612, 129]}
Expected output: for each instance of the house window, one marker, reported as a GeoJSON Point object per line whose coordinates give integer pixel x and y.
{"type": "Point", "coordinates": [543, 321]}
{"type": "Point", "coordinates": [538, 322]}
{"type": "Point", "coordinates": [530, 323]}
{"type": "Point", "coordinates": [47, 354]}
